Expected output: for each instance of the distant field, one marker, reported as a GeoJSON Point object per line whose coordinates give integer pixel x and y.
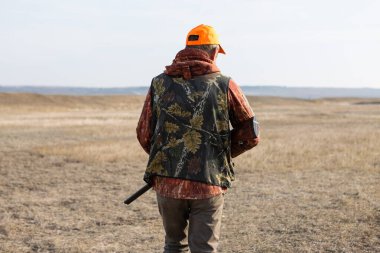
{"type": "Point", "coordinates": [68, 162]}
{"type": "Point", "coordinates": [279, 91]}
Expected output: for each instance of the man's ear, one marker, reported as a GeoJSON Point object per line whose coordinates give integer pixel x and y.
{"type": "Point", "coordinates": [214, 54]}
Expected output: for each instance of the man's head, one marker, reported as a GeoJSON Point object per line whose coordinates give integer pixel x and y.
{"type": "Point", "coordinates": [204, 37]}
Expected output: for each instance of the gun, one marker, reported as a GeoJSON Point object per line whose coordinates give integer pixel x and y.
{"type": "Point", "coordinates": [137, 194]}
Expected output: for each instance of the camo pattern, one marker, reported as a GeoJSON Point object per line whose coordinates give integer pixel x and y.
{"type": "Point", "coordinates": [191, 138]}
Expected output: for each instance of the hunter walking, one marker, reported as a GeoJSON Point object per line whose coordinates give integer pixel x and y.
{"type": "Point", "coordinates": [185, 128]}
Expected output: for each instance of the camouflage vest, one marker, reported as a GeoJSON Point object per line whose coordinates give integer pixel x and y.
{"type": "Point", "coordinates": [191, 139]}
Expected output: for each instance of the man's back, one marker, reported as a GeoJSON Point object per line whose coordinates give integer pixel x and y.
{"type": "Point", "coordinates": [191, 137]}
{"type": "Point", "coordinates": [184, 127]}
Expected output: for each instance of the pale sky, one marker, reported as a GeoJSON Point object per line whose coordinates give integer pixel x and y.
{"type": "Point", "coordinates": [119, 43]}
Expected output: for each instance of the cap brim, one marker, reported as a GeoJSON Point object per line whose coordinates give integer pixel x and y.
{"type": "Point", "coordinates": [221, 50]}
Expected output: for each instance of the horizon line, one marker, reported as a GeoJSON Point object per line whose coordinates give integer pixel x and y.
{"type": "Point", "coordinates": [147, 86]}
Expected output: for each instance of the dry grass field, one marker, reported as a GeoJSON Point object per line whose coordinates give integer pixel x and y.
{"type": "Point", "coordinates": [67, 163]}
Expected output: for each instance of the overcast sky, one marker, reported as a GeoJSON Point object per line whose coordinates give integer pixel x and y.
{"type": "Point", "coordinates": [114, 43]}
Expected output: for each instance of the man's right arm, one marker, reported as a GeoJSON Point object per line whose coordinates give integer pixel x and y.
{"type": "Point", "coordinates": [144, 126]}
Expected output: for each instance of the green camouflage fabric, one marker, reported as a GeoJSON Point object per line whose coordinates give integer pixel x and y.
{"type": "Point", "coordinates": [191, 139]}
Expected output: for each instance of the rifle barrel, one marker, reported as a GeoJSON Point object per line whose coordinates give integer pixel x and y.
{"type": "Point", "coordinates": [137, 194]}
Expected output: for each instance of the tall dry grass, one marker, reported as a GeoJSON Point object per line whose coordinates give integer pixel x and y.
{"type": "Point", "coordinates": [66, 163]}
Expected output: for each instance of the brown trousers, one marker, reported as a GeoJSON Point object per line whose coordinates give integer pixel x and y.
{"type": "Point", "coordinates": [189, 223]}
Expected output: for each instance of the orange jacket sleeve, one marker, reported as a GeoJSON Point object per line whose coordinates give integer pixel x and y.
{"type": "Point", "coordinates": [241, 117]}
{"type": "Point", "coordinates": [144, 128]}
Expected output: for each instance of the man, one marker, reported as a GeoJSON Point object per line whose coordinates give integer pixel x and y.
{"type": "Point", "coordinates": [185, 128]}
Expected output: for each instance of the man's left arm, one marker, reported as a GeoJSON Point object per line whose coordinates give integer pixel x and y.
{"type": "Point", "coordinates": [245, 133]}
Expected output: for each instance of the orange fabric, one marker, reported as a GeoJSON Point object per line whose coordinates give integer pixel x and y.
{"type": "Point", "coordinates": [206, 35]}
{"type": "Point", "coordinates": [243, 140]}
{"type": "Point", "coordinates": [143, 130]}
{"type": "Point", "coordinates": [240, 112]}
{"type": "Point", "coordinates": [191, 62]}
{"type": "Point", "coordinates": [239, 108]}
{"type": "Point", "coordinates": [185, 189]}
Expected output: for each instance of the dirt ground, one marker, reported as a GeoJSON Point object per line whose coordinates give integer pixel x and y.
{"type": "Point", "coordinates": [67, 163]}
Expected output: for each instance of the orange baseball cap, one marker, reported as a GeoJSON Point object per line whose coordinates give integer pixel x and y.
{"type": "Point", "coordinates": [203, 35]}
